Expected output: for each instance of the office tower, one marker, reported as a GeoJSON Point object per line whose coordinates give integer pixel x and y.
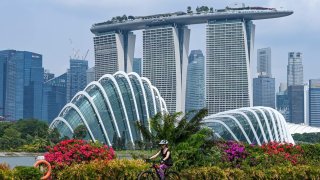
{"type": "Point", "coordinates": [296, 104]}
{"type": "Point", "coordinates": [264, 85]}
{"type": "Point", "coordinates": [314, 102]}
{"type": "Point", "coordinates": [113, 52]}
{"type": "Point", "coordinates": [295, 69]}
{"type": "Point", "coordinates": [264, 91]}
{"type": "Point", "coordinates": [195, 95]}
{"type": "Point", "coordinates": [2, 84]}
{"type": "Point", "coordinates": [23, 80]}
{"type": "Point", "coordinates": [54, 97]}
{"type": "Point", "coordinates": [90, 75]}
{"type": "Point", "coordinates": [229, 48]}
{"type": "Point", "coordinates": [165, 59]}
{"type": "Point", "coordinates": [264, 62]}
{"type": "Point", "coordinates": [47, 75]}
{"type": "Point", "coordinates": [77, 77]}
{"type": "Point", "coordinates": [137, 65]}
{"type": "Point", "coordinates": [283, 101]}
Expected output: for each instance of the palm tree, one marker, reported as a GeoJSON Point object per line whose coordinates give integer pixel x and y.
{"type": "Point", "coordinates": [173, 127]}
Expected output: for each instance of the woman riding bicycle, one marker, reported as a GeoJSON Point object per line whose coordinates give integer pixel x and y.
{"type": "Point", "coordinates": [166, 160]}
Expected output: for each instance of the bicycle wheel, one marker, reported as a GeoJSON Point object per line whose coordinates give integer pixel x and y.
{"type": "Point", "coordinates": [172, 175]}
{"type": "Point", "coordinates": [146, 175]}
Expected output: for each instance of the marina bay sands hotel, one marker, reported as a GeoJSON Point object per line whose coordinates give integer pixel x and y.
{"type": "Point", "coordinates": [229, 47]}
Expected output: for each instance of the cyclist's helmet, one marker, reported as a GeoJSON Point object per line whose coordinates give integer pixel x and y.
{"type": "Point", "coordinates": [163, 141]}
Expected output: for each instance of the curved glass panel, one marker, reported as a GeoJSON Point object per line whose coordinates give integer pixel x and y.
{"type": "Point", "coordinates": [148, 90]}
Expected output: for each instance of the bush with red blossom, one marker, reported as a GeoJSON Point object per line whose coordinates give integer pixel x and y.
{"type": "Point", "coordinates": [72, 151]}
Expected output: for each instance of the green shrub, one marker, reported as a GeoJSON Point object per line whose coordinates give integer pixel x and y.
{"type": "Point", "coordinates": [114, 169]}
{"type": "Point", "coordinates": [24, 172]}
{"type": "Point", "coordinates": [276, 172]}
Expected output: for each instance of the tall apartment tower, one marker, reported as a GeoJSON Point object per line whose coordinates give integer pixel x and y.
{"type": "Point", "coordinates": [21, 84]}
{"type": "Point", "coordinates": [195, 97]}
{"type": "Point", "coordinates": [295, 69]}
{"type": "Point", "coordinates": [296, 104]}
{"type": "Point", "coordinates": [76, 77]}
{"type": "Point", "coordinates": [314, 102]}
{"type": "Point", "coordinates": [165, 60]}
{"type": "Point", "coordinates": [229, 47]}
{"type": "Point", "coordinates": [113, 52]}
{"type": "Point", "coordinates": [264, 62]}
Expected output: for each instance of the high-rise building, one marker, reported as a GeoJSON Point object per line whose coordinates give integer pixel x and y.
{"type": "Point", "coordinates": [90, 75]}
{"type": "Point", "coordinates": [77, 77]}
{"type": "Point", "coordinates": [283, 101]}
{"type": "Point", "coordinates": [47, 75]}
{"type": "Point", "coordinates": [54, 97]}
{"type": "Point", "coordinates": [295, 69]}
{"type": "Point", "coordinates": [2, 84]}
{"type": "Point", "coordinates": [195, 95]}
{"type": "Point", "coordinates": [137, 65]}
{"type": "Point", "coordinates": [296, 104]}
{"type": "Point", "coordinates": [165, 59]}
{"type": "Point", "coordinates": [264, 62]}
{"type": "Point", "coordinates": [264, 91]}
{"type": "Point", "coordinates": [22, 82]}
{"type": "Point", "coordinates": [113, 52]}
{"type": "Point", "coordinates": [229, 48]}
{"type": "Point", "coordinates": [314, 102]}
{"type": "Point", "coordinates": [264, 85]}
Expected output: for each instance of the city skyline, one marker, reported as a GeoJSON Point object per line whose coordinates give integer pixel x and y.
{"type": "Point", "coordinates": [73, 20]}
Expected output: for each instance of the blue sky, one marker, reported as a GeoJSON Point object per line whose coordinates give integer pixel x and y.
{"type": "Point", "coordinates": [49, 26]}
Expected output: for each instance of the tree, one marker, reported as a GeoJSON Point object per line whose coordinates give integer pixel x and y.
{"type": "Point", "coordinates": [189, 11]}
{"type": "Point", "coordinates": [172, 127]}
{"type": "Point", "coordinates": [54, 136]}
{"type": "Point", "coordinates": [33, 127]}
{"type": "Point", "coordinates": [80, 132]}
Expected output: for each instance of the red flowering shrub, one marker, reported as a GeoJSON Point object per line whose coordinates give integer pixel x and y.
{"type": "Point", "coordinates": [72, 151]}
{"type": "Point", "coordinates": [287, 152]}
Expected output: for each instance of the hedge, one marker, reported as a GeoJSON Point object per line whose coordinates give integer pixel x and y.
{"type": "Point", "coordinates": [277, 172]}
{"type": "Point", "coordinates": [114, 169]}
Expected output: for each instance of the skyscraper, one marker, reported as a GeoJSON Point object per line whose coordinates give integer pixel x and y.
{"type": "Point", "coordinates": [54, 97]}
{"type": "Point", "coordinates": [295, 69]}
{"type": "Point", "coordinates": [195, 95]}
{"type": "Point", "coordinates": [264, 91]}
{"type": "Point", "coordinates": [2, 83]}
{"type": "Point", "coordinates": [296, 104]}
{"type": "Point", "coordinates": [264, 85]}
{"type": "Point", "coordinates": [165, 59]}
{"type": "Point", "coordinates": [77, 77]}
{"type": "Point", "coordinates": [90, 75]}
{"type": "Point", "coordinates": [283, 101]}
{"type": "Point", "coordinates": [113, 52]}
{"type": "Point", "coordinates": [229, 48]}
{"type": "Point", "coordinates": [314, 102]}
{"type": "Point", "coordinates": [264, 62]}
{"type": "Point", "coordinates": [137, 65]}
{"type": "Point", "coordinates": [22, 82]}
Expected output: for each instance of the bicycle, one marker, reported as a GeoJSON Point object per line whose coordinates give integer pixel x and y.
{"type": "Point", "coordinates": [153, 173]}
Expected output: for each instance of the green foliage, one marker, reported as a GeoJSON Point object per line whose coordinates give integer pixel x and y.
{"type": "Point", "coordinates": [194, 151]}
{"type": "Point", "coordinates": [113, 170]}
{"type": "Point", "coordinates": [311, 153]}
{"type": "Point", "coordinates": [80, 132]}
{"type": "Point", "coordinates": [276, 172]}
{"type": "Point", "coordinates": [307, 137]}
{"type": "Point", "coordinates": [173, 127]}
{"type": "Point", "coordinates": [24, 172]}
{"type": "Point", "coordinates": [32, 127]}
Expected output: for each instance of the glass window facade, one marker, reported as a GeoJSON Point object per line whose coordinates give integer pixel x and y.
{"type": "Point", "coordinates": [253, 125]}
